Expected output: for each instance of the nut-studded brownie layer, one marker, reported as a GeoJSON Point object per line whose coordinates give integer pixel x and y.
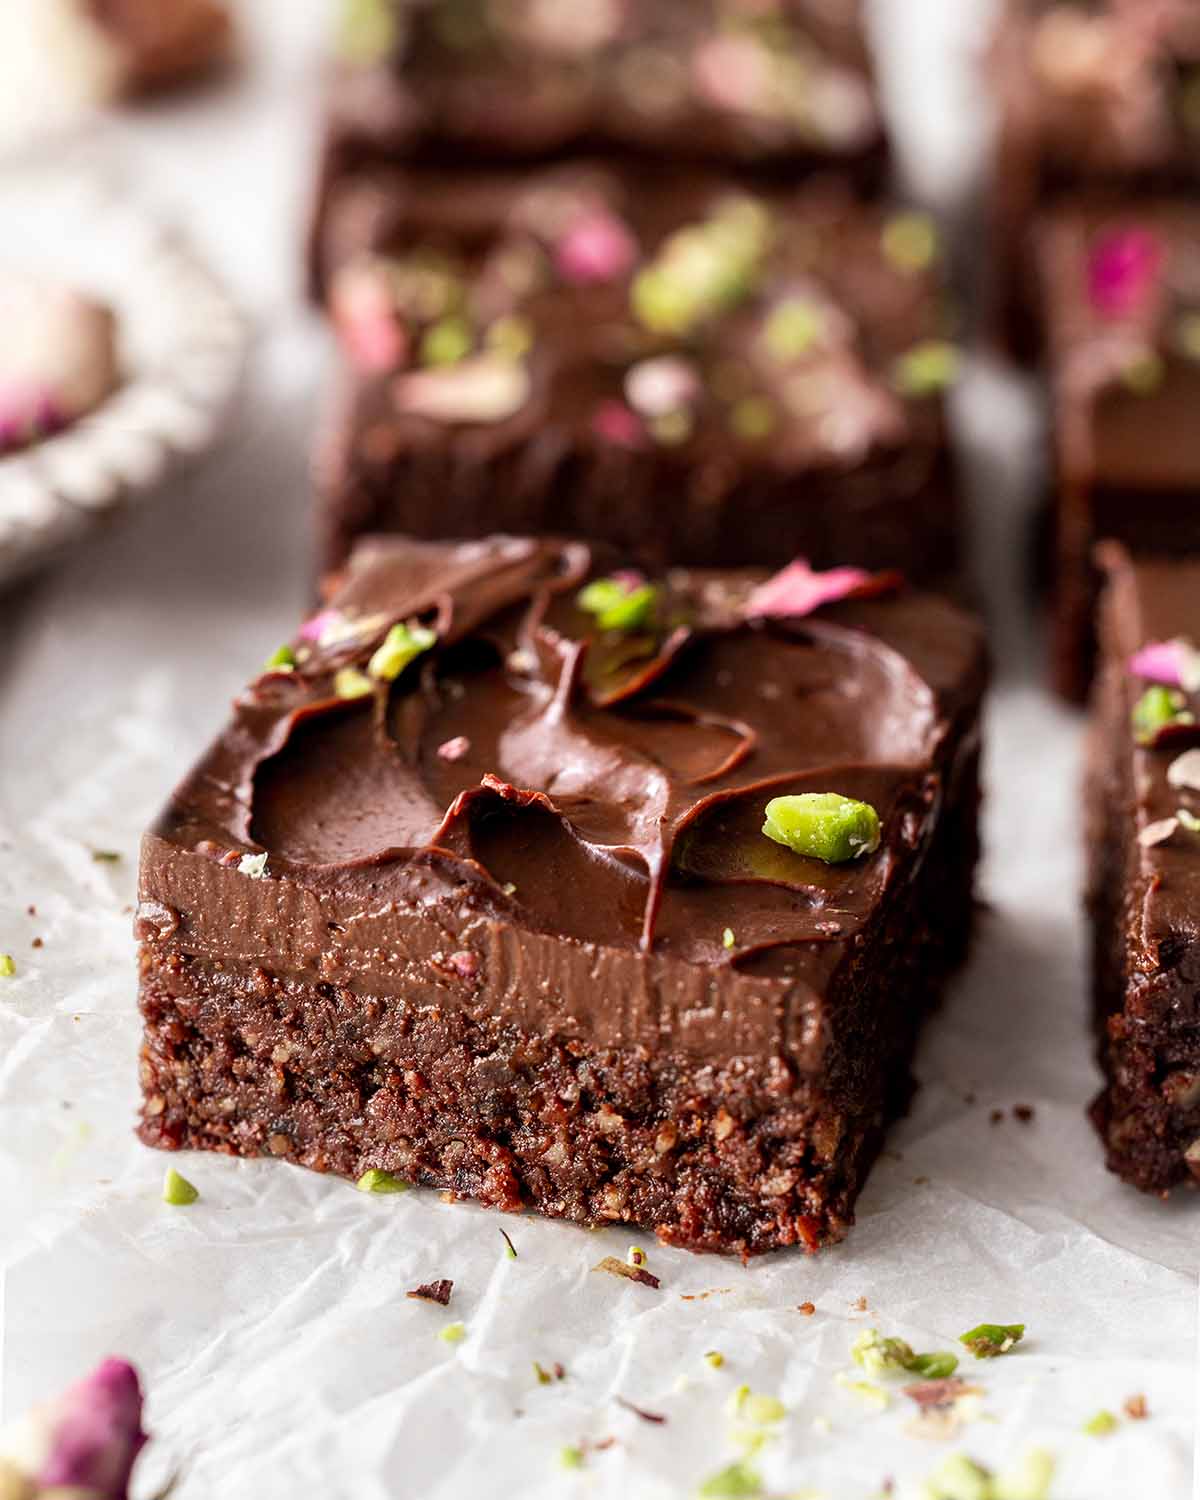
{"type": "Point", "coordinates": [476, 887]}
{"type": "Point", "coordinates": [1144, 883]}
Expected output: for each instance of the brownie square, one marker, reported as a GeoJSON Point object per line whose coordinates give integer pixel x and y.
{"type": "Point", "coordinates": [785, 83]}
{"type": "Point", "coordinates": [657, 359]}
{"type": "Point", "coordinates": [475, 888]}
{"type": "Point", "coordinates": [1120, 304]}
{"type": "Point", "coordinates": [1143, 808]}
{"type": "Point", "coordinates": [1098, 97]}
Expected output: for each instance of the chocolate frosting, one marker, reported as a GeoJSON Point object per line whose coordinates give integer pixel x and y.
{"type": "Point", "coordinates": [492, 78]}
{"type": "Point", "coordinates": [539, 821]}
{"type": "Point", "coordinates": [1157, 600]}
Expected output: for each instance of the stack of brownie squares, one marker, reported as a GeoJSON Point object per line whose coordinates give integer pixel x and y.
{"type": "Point", "coordinates": [1097, 218]}
{"type": "Point", "coordinates": [602, 842]}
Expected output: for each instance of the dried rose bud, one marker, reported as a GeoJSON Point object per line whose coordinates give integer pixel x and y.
{"type": "Point", "coordinates": [598, 247]}
{"type": "Point", "coordinates": [86, 1440]}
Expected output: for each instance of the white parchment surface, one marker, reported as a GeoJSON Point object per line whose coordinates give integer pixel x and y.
{"type": "Point", "coordinates": [280, 1355]}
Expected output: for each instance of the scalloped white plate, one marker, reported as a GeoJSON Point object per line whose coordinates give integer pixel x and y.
{"type": "Point", "coordinates": [181, 343]}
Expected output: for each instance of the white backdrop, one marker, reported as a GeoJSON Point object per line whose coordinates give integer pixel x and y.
{"type": "Point", "coordinates": [280, 1356]}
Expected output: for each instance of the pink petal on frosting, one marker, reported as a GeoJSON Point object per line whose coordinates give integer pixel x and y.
{"type": "Point", "coordinates": [666, 383]}
{"type": "Point", "coordinates": [366, 320]}
{"type": "Point", "coordinates": [315, 628]}
{"type": "Point", "coordinates": [1173, 663]}
{"type": "Point", "coordinates": [615, 423]}
{"type": "Point", "coordinates": [799, 590]}
{"type": "Point", "coordinates": [96, 1433]}
{"type": "Point", "coordinates": [595, 248]}
{"type": "Point", "coordinates": [1122, 270]}
{"type": "Point", "coordinates": [733, 72]}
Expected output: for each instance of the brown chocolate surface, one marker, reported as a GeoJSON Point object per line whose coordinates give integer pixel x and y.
{"type": "Point", "coordinates": [784, 79]}
{"type": "Point", "coordinates": [1144, 888]}
{"type": "Point", "coordinates": [663, 360]}
{"type": "Point", "coordinates": [599, 831]}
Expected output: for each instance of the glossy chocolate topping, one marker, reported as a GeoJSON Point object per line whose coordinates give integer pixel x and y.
{"type": "Point", "coordinates": [541, 820]}
{"type": "Point", "coordinates": [1154, 600]}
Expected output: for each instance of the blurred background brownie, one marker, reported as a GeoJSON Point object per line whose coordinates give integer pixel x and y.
{"type": "Point", "coordinates": [112, 48]}
{"type": "Point", "coordinates": [555, 886]}
{"type": "Point", "coordinates": [655, 358]}
{"type": "Point", "coordinates": [1119, 290]}
{"type": "Point", "coordinates": [1144, 886]}
{"type": "Point", "coordinates": [1100, 96]}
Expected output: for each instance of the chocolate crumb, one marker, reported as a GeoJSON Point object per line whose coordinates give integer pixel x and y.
{"type": "Point", "coordinates": [1135, 1408]}
{"type": "Point", "coordinates": [557, 1370]}
{"type": "Point", "coordinates": [1023, 1112]}
{"type": "Point", "coordinates": [968, 1098]}
{"type": "Point", "coordinates": [31, 911]}
{"type": "Point", "coordinates": [616, 1267]}
{"type": "Point", "coordinates": [601, 1444]}
{"type": "Point", "coordinates": [37, 943]}
{"type": "Point", "coordinates": [647, 1416]}
{"type": "Point", "coordinates": [920, 1181]}
{"type": "Point", "coordinates": [996, 1116]}
{"type": "Point", "coordinates": [859, 1304]}
{"type": "Point", "coordinates": [808, 1308]}
{"type": "Point", "coordinates": [433, 1291]}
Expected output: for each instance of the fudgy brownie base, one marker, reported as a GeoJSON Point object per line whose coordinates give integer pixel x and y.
{"type": "Point", "coordinates": [738, 1158]}
{"type": "Point", "coordinates": [1146, 990]}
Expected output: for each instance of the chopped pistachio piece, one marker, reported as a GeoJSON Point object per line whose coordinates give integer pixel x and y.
{"type": "Point", "coordinates": [402, 644]}
{"type": "Point", "coordinates": [511, 336]}
{"type": "Point", "coordinates": [990, 1339]}
{"type": "Point", "coordinates": [106, 856]}
{"type": "Point", "coordinates": [958, 1477]}
{"type": "Point", "coordinates": [727, 938]}
{"type": "Point", "coordinates": [1157, 709]}
{"type": "Point", "coordinates": [7, 966]}
{"type": "Point", "coordinates": [617, 605]}
{"type": "Point", "coordinates": [1187, 819]}
{"type": "Point", "coordinates": [446, 343]}
{"type": "Point", "coordinates": [283, 660]}
{"type": "Point", "coordinates": [368, 30]}
{"type": "Point", "coordinates": [910, 241]}
{"type": "Point", "coordinates": [570, 1457]}
{"type": "Point", "coordinates": [752, 418]}
{"type": "Point", "coordinates": [177, 1190]}
{"type": "Point", "coordinates": [763, 1411]}
{"type": "Point", "coordinates": [714, 1357]}
{"type": "Point", "coordinates": [736, 1481]}
{"type": "Point", "coordinates": [1029, 1479]}
{"type": "Point", "coordinates": [1144, 373]}
{"type": "Point", "coordinates": [1187, 334]}
{"type": "Point", "coordinates": [791, 329]}
{"type": "Point", "coordinates": [873, 1395]}
{"type": "Point", "coordinates": [376, 1180]}
{"type": "Point", "coordinates": [253, 865]}
{"type": "Point", "coordinates": [349, 682]}
{"type": "Point", "coordinates": [737, 1399]}
{"type": "Point", "coordinates": [878, 1355]}
{"type": "Point", "coordinates": [543, 1375]}
{"type": "Point", "coordinates": [453, 1333]}
{"type": "Point", "coordinates": [936, 1366]}
{"type": "Point", "coordinates": [1101, 1424]}
{"type": "Point", "coordinates": [823, 825]}
{"type": "Point", "coordinates": [927, 367]}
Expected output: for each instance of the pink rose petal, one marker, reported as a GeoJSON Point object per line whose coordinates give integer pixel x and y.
{"type": "Point", "coordinates": [454, 749]}
{"type": "Point", "coordinates": [733, 72]}
{"type": "Point", "coordinates": [667, 383]}
{"type": "Point", "coordinates": [1122, 270]}
{"type": "Point", "coordinates": [799, 590]}
{"type": "Point", "coordinates": [315, 628]}
{"type": "Point", "coordinates": [366, 320]}
{"type": "Point", "coordinates": [96, 1433]}
{"type": "Point", "coordinates": [615, 423]}
{"type": "Point", "coordinates": [1173, 663]}
{"type": "Point", "coordinates": [598, 247]}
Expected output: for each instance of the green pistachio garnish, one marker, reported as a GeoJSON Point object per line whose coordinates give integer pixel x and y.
{"type": "Point", "coordinates": [570, 1458]}
{"type": "Point", "coordinates": [349, 682]}
{"type": "Point", "coordinates": [1158, 708]}
{"type": "Point", "coordinates": [106, 856]}
{"type": "Point", "coordinates": [762, 1411]}
{"type": "Point", "coordinates": [7, 966]}
{"type": "Point", "coordinates": [177, 1190]}
{"type": "Point", "coordinates": [283, 660]}
{"type": "Point", "coordinates": [737, 1481]}
{"type": "Point", "coordinates": [714, 1358]}
{"type": "Point", "coordinates": [935, 1366]}
{"type": "Point", "coordinates": [1144, 374]}
{"type": "Point", "coordinates": [727, 938]}
{"type": "Point", "coordinates": [446, 343]}
{"type": "Point", "coordinates": [874, 1395]}
{"type": "Point", "coordinates": [1188, 819]}
{"type": "Point", "coordinates": [369, 30]}
{"type": "Point", "coordinates": [510, 336]}
{"type": "Point", "coordinates": [453, 1333]}
{"type": "Point", "coordinates": [752, 418]}
{"type": "Point", "coordinates": [879, 1356]}
{"type": "Point", "coordinates": [672, 428]}
{"type": "Point", "coordinates": [926, 368]}
{"type": "Point", "coordinates": [960, 1478]}
{"type": "Point", "coordinates": [791, 329]}
{"type": "Point", "coordinates": [402, 644]}
{"type": "Point", "coordinates": [253, 865]}
{"type": "Point", "coordinates": [542, 1375]}
{"type": "Point", "coordinates": [1101, 1424]}
{"type": "Point", "coordinates": [703, 269]}
{"type": "Point", "coordinates": [990, 1339]}
{"type": "Point", "coordinates": [823, 825]}
{"type": "Point", "coordinates": [376, 1180]}
{"type": "Point", "coordinates": [910, 241]}
{"type": "Point", "coordinates": [617, 606]}
{"type": "Point", "coordinates": [1029, 1479]}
